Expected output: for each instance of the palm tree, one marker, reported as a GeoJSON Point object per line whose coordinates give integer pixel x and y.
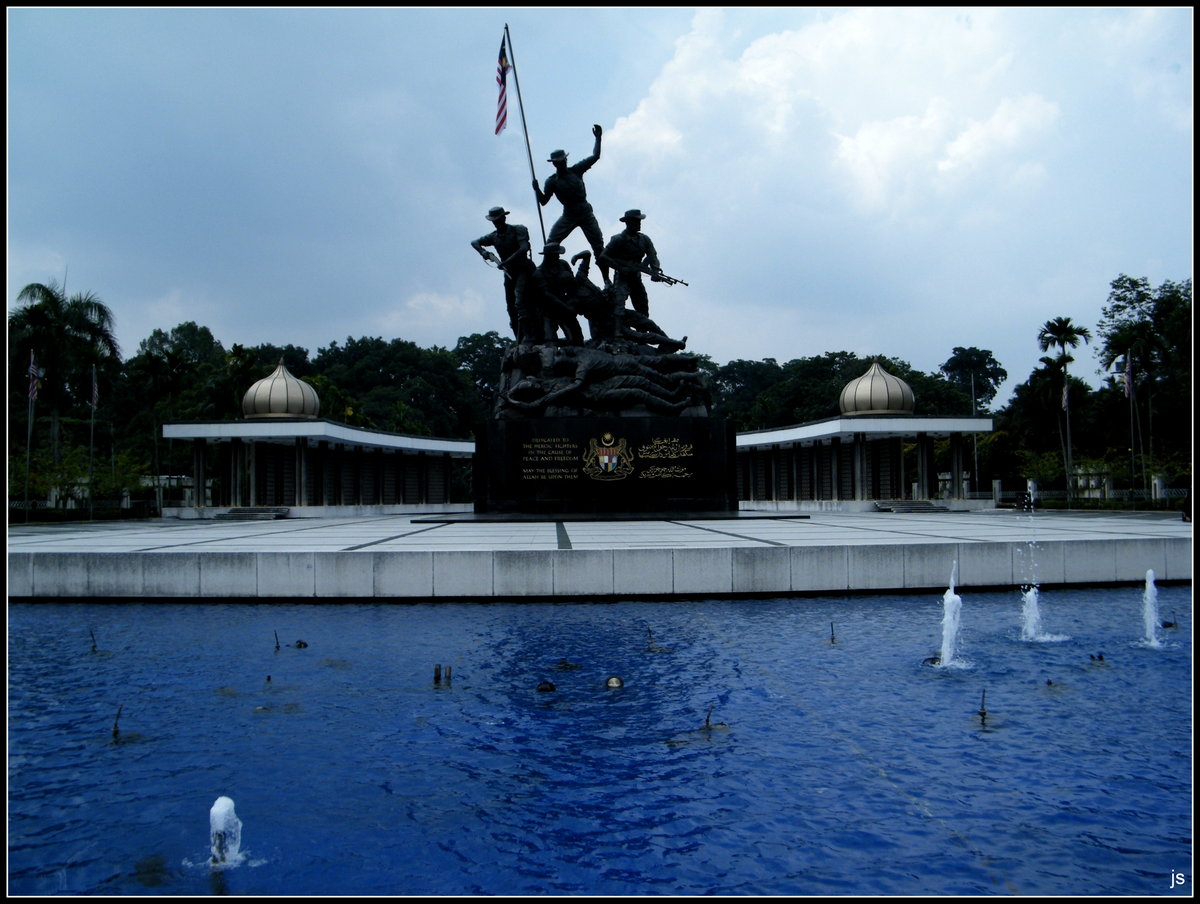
{"type": "Point", "coordinates": [1062, 334]}
{"type": "Point", "coordinates": [68, 336]}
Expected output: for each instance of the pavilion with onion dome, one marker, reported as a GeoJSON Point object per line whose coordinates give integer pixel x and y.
{"type": "Point", "coordinates": [858, 458]}
{"type": "Point", "coordinates": [282, 454]}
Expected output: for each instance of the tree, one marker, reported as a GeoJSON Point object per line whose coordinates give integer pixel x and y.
{"type": "Point", "coordinates": [1062, 334]}
{"type": "Point", "coordinates": [68, 336]}
{"type": "Point", "coordinates": [435, 394]}
{"type": "Point", "coordinates": [481, 355]}
{"type": "Point", "coordinates": [975, 372]}
{"type": "Point", "coordinates": [739, 384]}
{"type": "Point", "coordinates": [1148, 334]}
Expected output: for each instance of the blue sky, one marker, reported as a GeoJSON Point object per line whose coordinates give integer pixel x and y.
{"type": "Point", "coordinates": [881, 181]}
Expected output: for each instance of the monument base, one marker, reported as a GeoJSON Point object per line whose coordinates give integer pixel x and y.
{"type": "Point", "coordinates": [605, 465]}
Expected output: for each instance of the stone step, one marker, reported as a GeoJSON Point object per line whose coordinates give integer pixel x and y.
{"type": "Point", "coordinates": [909, 506]}
{"type": "Point", "coordinates": [254, 513]}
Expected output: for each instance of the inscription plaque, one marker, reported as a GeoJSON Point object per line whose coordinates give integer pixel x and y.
{"type": "Point", "coordinates": [581, 465]}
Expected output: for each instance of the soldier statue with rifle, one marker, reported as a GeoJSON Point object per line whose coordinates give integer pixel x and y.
{"type": "Point", "coordinates": [631, 253]}
{"type": "Point", "coordinates": [512, 241]}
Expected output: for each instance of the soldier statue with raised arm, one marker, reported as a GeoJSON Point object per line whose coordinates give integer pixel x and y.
{"type": "Point", "coordinates": [566, 184]}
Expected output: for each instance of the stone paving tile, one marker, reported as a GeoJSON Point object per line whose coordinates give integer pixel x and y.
{"type": "Point", "coordinates": [402, 532]}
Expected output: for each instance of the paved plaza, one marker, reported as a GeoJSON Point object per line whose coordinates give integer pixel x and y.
{"type": "Point", "coordinates": [411, 556]}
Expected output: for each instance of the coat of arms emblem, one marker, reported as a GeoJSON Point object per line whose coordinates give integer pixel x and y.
{"type": "Point", "coordinates": [608, 458]}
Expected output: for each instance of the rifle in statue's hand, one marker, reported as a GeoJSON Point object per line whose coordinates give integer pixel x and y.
{"type": "Point", "coordinates": [659, 276]}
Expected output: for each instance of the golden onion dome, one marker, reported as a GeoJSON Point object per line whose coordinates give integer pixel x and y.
{"type": "Point", "coordinates": [876, 392]}
{"type": "Point", "coordinates": [281, 395]}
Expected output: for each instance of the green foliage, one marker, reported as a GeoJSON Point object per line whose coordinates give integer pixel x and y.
{"type": "Point", "coordinates": [1062, 334]}
{"type": "Point", "coordinates": [737, 389]}
{"type": "Point", "coordinates": [186, 374]}
{"type": "Point", "coordinates": [974, 370]}
{"type": "Point", "coordinates": [120, 474]}
{"type": "Point", "coordinates": [1130, 435]}
{"type": "Point", "coordinates": [400, 387]}
{"type": "Point", "coordinates": [71, 338]}
{"type": "Point", "coordinates": [61, 480]}
{"type": "Point", "coordinates": [758, 395]}
{"type": "Point", "coordinates": [1044, 467]}
{"type": "Point", "coordinates": [480, 355]}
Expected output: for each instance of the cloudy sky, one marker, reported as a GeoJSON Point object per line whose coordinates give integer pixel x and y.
{"type": "Point", "coordinates": [881, 181]}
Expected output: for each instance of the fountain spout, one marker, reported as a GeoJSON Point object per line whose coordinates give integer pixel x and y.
{"type": "Point", "coordinates": [1031, 616]}
{"type": "Point", "coordinates": [952, 608]}
{"type": "Point", "coordinates": [1150, 611]}
{"type": "Point", "coordinates": [225, 831]}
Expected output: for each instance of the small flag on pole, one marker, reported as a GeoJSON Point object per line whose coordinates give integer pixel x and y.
{"type": "Point", "coordinates": [502, 67]}
{"type": "Point", "coordinates": [95, 390]}
{"type": "Point", "coordinates": [34, 373]}
{"type": "Point", "coordinates": [1128, 375]}
{"type": "Point", "coordinates": [1064, 400]}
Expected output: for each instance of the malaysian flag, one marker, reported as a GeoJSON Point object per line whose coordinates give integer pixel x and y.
{"type": "Point", "coordinates": [1064, 400]}
{"type": "Point", "coordinates": [502, 67]}
{"type": "Point", "coordinates": [1128, 375]}
{"type": "Point", "coordinates": [95, 390]}
{"type": "Point", "coordinates": [34, 373]}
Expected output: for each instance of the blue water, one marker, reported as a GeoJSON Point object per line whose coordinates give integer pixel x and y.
{"type": "Point", "coordinates": [842, 768]}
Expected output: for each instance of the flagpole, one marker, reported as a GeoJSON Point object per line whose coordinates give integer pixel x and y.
{"type": "Point", "coordinates": [92, 451]}
{"type": "Point", "coordinates": [524, 127]}
{"type": "Point", "coordinates": [29, 430]}
{"type": "Point", "coordinates": [28, 443]}
{"type": "Point", "coordinates": [1129, 395]}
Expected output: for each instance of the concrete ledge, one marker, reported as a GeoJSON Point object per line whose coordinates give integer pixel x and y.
{"type": "Point", "coordinates": [525, 572]}
{"type": "Point", "coordinates": [696, 572]}
{"type": "Point", "coordinates": [566, 573]}
{"type": "Point", "coordinates": [286, 574]}
{"type": "Point", "coordinates": [820, 568]}
{"type": "Point", "coordinates": [584, 572]}
{"type": "Point", "coordinates": [762, 570]}
{"type": "Point", "coordinates": [345, 574]}
{"type": "Point", "coordinates": [229, 575]}
{"type": "Point", "coordinates": [119, 574]}
{"type": "Point", "coordinates": [399, 575]}
{"type": "Point", "coordinates": [986, 564]}
{"type": "Point", "coordinates": [643, 572]}
{"type": "Point", "coordinates": [879, 567]}
{"type": "Point", "coordinates": [463, 574]}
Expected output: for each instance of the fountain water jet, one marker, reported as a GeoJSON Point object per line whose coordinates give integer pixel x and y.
{"type": "Point", "coordinates": [1031, 617]}
{"type": "Point", "coordinates": [1150, 611]}
{"type": "Point", "coordinates": [225, 832]}
{"type": "Point", "coordinates": [951, 609]}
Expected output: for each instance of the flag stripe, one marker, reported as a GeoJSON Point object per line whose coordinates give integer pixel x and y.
{"type": "Point", "coordinates": [502, 67]}
{"type": "Point", "coordinates": [33, 378]}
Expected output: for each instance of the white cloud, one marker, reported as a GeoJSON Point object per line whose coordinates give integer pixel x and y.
{"type": "Point", "coordinates": [820, 177]}
{"type": "Point", "coordinates": [885, 160]}
{"type": "Point", "coordinates": [1014, 123]}
{"type": "Point", "coordinates": [425, 314]}
{"type": "Point", "coordinates": [883, 104]}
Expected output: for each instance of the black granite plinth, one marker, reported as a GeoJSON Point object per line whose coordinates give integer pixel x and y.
{"type": "Point", "coordinates": [660, 465]}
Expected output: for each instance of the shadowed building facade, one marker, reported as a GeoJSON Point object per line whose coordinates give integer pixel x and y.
{"type": "Point", "coordinates": [283, 454]}
{"type": "Point", "coordinates": [857, 457]}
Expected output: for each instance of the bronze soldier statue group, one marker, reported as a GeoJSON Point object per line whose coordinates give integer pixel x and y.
{"type": "Point", "coordinates": [627, 365]}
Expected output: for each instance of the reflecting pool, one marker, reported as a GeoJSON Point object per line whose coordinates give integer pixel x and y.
{"type": "Point", "coordinates": [755, 747]}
